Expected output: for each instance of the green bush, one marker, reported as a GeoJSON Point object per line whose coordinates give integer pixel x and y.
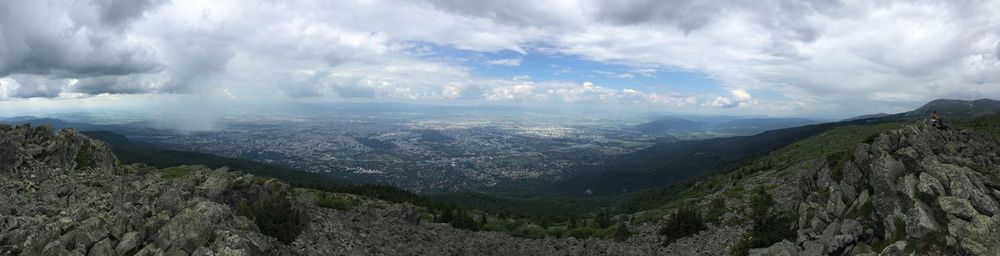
{"type": "Point", "coordinates": [684, 222]}
{"type": "Point", "coordinates": [580, 233]}
{"type": "Point", "coordinates": [717, 208]}
{"type": "Point", "coordinates": [327, 200]}
{"type": "Point", "coordinates": [556, 231]}
{"type": "Point", "coordinates": [85, 157]}
{"type": "Point", "coordinates": [769, 225]}
{"type": "Point", "coordinates": [529, 231]}
{"type": "Point", "coordinates": [603, 219]}
{"type": "Point", "coordinates": [622, 232]}
{"type": "Point", "coordinates": [275, 217]}
{"type": "Point", "coordinates": [836, 161]}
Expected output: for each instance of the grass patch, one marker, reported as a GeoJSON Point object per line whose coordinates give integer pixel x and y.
{"type": "Point", "coordinates": [175, 172]}
{"type": "Point", "coordinates": [333, 201]}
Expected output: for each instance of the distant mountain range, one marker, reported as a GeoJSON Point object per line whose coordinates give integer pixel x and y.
{"type": "Point", "coordinates": [722, 125]}
{"type": "Point", "coordinates": [957, 109]}
{"type": "Point", "coordinates": [877, 115]}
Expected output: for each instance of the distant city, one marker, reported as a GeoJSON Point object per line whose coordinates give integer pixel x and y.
{"type": "Point", "coordinates": [420, 155]}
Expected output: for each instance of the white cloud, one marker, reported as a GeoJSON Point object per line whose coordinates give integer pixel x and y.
{"type": "Point", "coordinates": [740, 95]}
{"type": "Point", "coordinates": [505, 62]}
{"type": "Point", "coordinates": [840, 56]}
{"type": "Point", "coordinates": [739, 98]}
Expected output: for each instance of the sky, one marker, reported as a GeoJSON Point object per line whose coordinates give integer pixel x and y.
{"type": "Point", "coordinates": [779, 58]}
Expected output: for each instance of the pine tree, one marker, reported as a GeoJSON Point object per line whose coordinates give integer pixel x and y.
{"type": "Point", "coordinates": [603, 219]}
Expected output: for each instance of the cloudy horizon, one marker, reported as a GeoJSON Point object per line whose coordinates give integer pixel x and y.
{"type": "Point", "coordinates": [783, 58]}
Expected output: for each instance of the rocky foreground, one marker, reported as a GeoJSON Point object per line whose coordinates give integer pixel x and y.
{"type": "Point", "coordinates": [909, 191]}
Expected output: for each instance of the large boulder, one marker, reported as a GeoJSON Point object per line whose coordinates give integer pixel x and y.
{"type": "Point", "coordinates": [191, 227]}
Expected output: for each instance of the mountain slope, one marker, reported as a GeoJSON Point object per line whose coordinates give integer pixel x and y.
{"type": "Point", "coordinates": [721, 125]}
{"type": "Point", "coordinates": [957, 109]}
{"type": "Point", "coordinates": [909, 189]}
{"type": "Point", "coordinates": [876, 115]}
{"type": "Point", "coordinates": [670, 162]}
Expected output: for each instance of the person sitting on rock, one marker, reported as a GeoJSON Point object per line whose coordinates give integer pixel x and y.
{"type": "Point", "coordinates": [937, 122]}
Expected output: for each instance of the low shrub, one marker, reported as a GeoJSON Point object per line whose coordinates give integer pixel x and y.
{"type": "Point", "coordinates": [684, 222]}
{"type": "Point", "coordinates": [275, 217]}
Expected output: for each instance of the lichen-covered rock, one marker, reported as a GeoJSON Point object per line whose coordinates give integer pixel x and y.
{"type": "Point", "coordinates": [958, 207]}
{"type": "Point", "coordinates": [980, 235]}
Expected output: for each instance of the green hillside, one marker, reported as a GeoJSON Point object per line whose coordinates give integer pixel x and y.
{"type": "Point", "coordinates": [666, 163]}
{"type": "Point", "coordinates": [834, 143]}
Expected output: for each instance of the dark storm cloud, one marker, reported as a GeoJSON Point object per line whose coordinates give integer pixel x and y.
{"type": "Point", "coordinates": [193, 58]}
{"type": "Point", "coordinates": [686, 15]}
{"type": "Point", "coordinates": [114, 85]}
{"type": "Point", "coordinates": [37, 87]}
{"type": "Point", "coordinates": [521, 13]}
{"type": "Point", "coordinates": [118, 12]}
{"type": "Point", "coordinates": [68, 40]}
{"type": "Point", "coordinates": [691, 15]}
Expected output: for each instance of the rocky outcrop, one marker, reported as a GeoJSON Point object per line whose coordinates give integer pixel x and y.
{"type": "Point", "coordinates": [62, 193]}
{"type": "Point", "coordinates": [915, 190]}
{"type": "Point", "coordinates": [42, 152]}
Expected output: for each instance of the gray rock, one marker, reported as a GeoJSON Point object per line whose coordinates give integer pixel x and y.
{"type": "Point", "coordinates": [920, 222]}
{"type": "Point", "coordinates": [980, 235]}
{"type": "Point", "coordinates": [896, 249]}
{"type": "Point", "coordinates": [929, 185]}
{"type": "Point", "coordinates": [129, 242]}
{"type": "Point", "coordinates": [852, 228]}
{"type": "Point", "coordinates": [963, 187]}
{"type": "Point", "coordinates": [958, 207]}
{"type": "Point", "coordinates": [191, 227]}
{"type": "Point", "coordinates": [813, 248]}
{"type": "Point", "coordinates": [783, 248]}
{"type": "Point", "coordinates": [101, 248]}
{"type": "Point", "coordinates": [217, 183]}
